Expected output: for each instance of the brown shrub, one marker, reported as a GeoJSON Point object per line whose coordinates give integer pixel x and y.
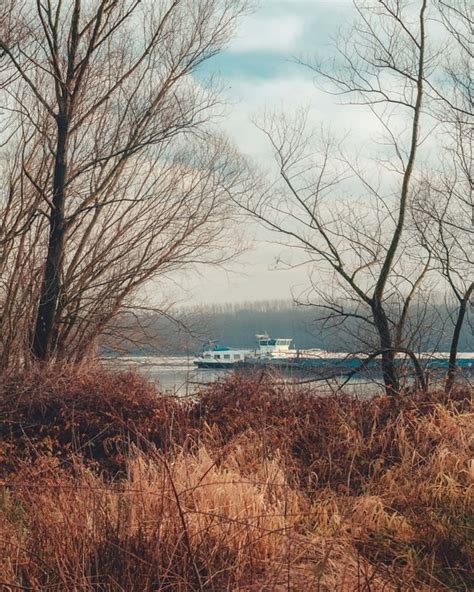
{"type": "Point", "coordinates": [97, 414]}
{"type": "Point", "coordinates": [338, 441]}
{"type": "Point", "coordinates": [181, 524]}
{"type": "Point", "coordinates": [252, 486]}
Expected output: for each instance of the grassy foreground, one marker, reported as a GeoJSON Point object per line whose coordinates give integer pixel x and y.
{"type": "Point", "coordinates": [107, 486]}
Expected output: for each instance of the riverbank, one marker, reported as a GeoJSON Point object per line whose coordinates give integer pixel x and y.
{"type": "Point", "coordinates": [108, 485]}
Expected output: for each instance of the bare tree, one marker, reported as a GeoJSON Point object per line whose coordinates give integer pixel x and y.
{"type": "Point", "coordinates": [443, 233]}
{"type": "Point", "coordinates": [22, 225]}
{"type": "Point", "coordinates": [444, 212]}
{"type": "Point", "coordinates": [350, 221]}
{"type": "Point", "coordinates": [131, 181]}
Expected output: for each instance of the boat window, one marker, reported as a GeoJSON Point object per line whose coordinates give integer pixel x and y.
{"type": "Point", "coordinates": [236, 356]}
{"type": "Point", "coordinates": [217, 356]}
{"type": "Point", "coordinates": [207, 356]}
{"type": "Point", "coordinates": [226, 357]}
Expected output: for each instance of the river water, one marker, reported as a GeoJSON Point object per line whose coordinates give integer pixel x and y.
{"type": "Point", "coordinates": [178, 376]}
{"type": "Point", "coordinates": [174, 375]}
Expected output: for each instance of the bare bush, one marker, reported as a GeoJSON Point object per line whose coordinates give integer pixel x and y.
{"type": "Point", "coordinates": [251, 487]}
{"type": "Point", "coordinates": [129, 180]}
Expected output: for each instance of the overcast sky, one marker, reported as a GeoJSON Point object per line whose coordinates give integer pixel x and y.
{"type": "Point", "coordinates": [259, 72]}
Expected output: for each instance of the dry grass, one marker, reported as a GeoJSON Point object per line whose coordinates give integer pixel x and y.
{"type": "Point", "coordinates": [95, 414]}
{"type": "Point", "coordinates": [109, 487]}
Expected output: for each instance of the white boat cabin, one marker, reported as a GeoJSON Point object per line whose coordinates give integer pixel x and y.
{"type": "Point", "coordinates": [225, 355]}
{"type": "Point", "coordinates": [272, 348]}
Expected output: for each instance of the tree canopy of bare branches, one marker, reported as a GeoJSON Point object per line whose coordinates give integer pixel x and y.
{"type": "Point", "coordinates": [443, 213]}
{"type": "Point", "coordinates": [350, 215]}
{"type": "Point", "coordinates": [111, 173]}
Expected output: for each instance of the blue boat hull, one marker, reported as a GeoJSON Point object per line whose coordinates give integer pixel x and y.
{"type": "Point", "coordinates": [215, 365]}
{"type": "Point", "coordinates": [343, 366]}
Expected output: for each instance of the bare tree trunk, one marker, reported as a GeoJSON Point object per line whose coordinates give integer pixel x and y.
{"type": "Point", "coordinates": [51, 286]}
{"type": "Point", "coordinates": [453, 352]}
{"type": "Point", "coordinates": [390, 374]}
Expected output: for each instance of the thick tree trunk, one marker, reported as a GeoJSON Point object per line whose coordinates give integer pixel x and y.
{"type": "Point", "coordinates": [453, 352]}
{"type": "Point", "coordinates": [51, 286]}
{"type": "Point", "coordinates": [389, 370]}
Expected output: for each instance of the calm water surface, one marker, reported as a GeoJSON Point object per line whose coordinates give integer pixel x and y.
{"type": "Point", "coordinates": [178, 376]}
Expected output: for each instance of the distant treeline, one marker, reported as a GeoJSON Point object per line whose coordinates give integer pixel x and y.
{"type": "Point", "coordinates": [189, 330]}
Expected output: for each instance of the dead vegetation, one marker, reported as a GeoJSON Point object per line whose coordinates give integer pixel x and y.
{"type": "Point", "coordinates": [108, 486]}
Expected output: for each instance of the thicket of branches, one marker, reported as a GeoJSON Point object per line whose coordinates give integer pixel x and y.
{"type": "Point", "coordinates": [381, 229]}
{"type": "Point", "coordinates": [110, 172]}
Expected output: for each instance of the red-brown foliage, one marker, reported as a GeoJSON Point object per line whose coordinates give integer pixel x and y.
{"type": "Point", "coordinates": [335, 441]}
{"type": "Point", "coordinates": [251, 485]}
{"type": "Point", "coordinates": [95, 414]}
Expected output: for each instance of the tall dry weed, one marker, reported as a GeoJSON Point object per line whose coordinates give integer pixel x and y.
{"type": "Point", "coordinates": [251, 487]}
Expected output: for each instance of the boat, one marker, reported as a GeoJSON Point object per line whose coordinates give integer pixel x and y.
{"type": "Point", "coordinates": [267, 349]}
{"type": "Point", "coordinates": [278, 354]}
{"type": "Point", "coordinates": [220, 357]}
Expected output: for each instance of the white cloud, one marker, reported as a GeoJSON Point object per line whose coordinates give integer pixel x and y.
{"type": "Point", "coordinates": [251, 98]}
{"type": "Point", "coordinates": [280, 26]}
{"type": "Point", "coordinates": [273, 34]}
